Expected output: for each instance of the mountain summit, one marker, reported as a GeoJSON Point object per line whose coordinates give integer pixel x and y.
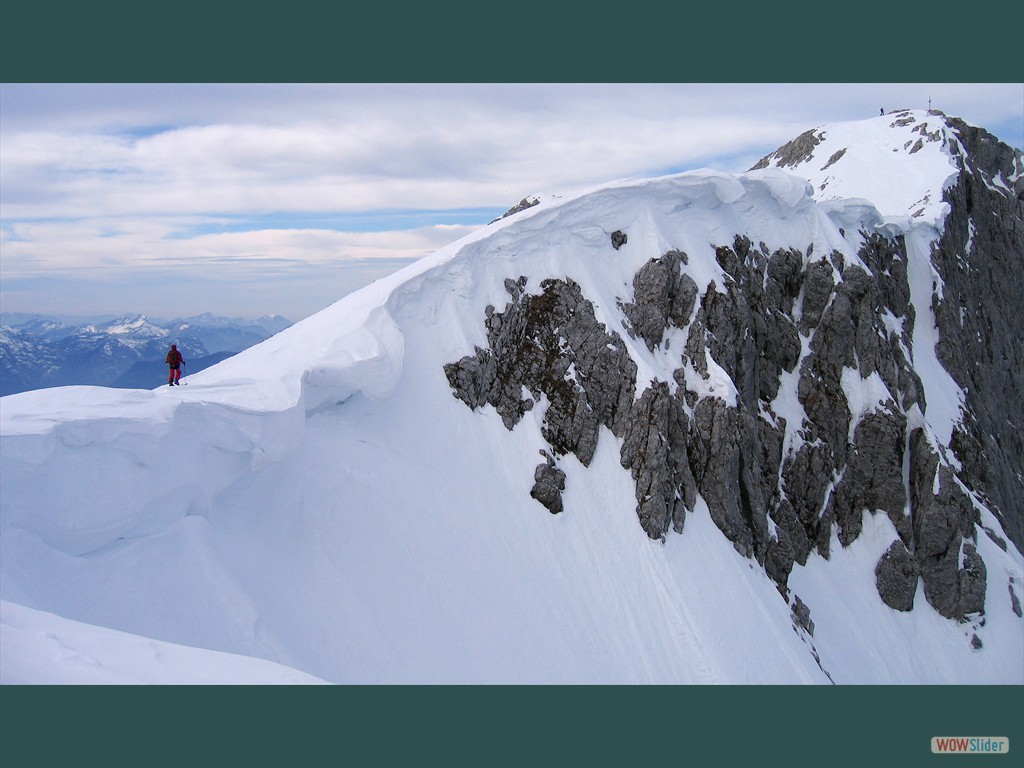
{"type": "Point", "coordinates": [704, 428]}
{"type": "Point", "coordinates": [968, 186]}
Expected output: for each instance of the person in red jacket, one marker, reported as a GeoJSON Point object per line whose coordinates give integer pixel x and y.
{"type": "Point", "coordinates": [175, 360]}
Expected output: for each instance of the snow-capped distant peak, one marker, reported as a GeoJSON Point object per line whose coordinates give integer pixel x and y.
{"type": "Point", "coordinates": [135, 325]}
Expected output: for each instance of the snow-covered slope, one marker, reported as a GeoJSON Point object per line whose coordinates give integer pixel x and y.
{"type": "Point", "coordinates": [322, 500]}
{"type": "Point", "coordinates": [43, 649]}
{"type": "Point", "coordinates": [901, 162]}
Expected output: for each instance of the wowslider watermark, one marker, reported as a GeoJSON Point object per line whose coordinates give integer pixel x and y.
{"type": "Point", "coordinates": [970, 745]}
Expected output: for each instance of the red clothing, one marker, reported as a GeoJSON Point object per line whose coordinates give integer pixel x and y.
{"type": "Point", "coordinates": [175, 360]}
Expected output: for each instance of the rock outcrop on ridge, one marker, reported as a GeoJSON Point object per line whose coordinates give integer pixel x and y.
{"type": "Point", "coordinates": [824, 328]}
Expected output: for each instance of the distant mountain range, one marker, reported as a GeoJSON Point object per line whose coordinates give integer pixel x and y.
{"type": "Point", "coordinates": [38, 351]}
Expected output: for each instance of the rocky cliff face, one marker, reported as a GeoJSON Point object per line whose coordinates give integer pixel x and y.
{"type": "Point", "coordinates": [835, 334]}
{"type": "Point", "coordinates": [979, 312]}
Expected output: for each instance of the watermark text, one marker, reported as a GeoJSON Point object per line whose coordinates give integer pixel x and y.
{"type": "Point", "coordinates": [970, 745]}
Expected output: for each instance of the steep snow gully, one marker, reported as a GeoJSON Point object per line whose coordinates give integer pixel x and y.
{"type": "Point", "coordinates": [727, 445]}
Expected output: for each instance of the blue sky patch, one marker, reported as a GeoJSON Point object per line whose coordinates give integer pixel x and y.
{"type": "Point", "coordinates": [365, 221]}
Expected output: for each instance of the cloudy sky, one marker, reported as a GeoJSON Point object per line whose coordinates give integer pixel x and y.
{"type": "Point", "coordinates": [247, 199]}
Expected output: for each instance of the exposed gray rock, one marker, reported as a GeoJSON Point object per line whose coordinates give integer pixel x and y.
{"type": "Point", "coordinates": [549, 482]}
{"type": "Point", "coordinates": [722, 460]}
{"type": "Point", "coordinates": [514, 288]}
{"type": "Point", "coordinates": [727, 318]}
{"type": "Point", "coordinates": [663, 296]}
{"type": "Point", "coordinates": [820, 392]}
{"type": "Point", "coordinates": [780, 555]}
{"type": "Point", "coordinates": [835, 339]}
{"type": "Point", "coordinates": [903, 118]}
{"type": "Point", "coordinates": [654, 449]}
{"type": "Point", "coordinates": [873, 477]}
{"type": "Point", "coordinates": [953, 572]}
{"type": "Point", "coordinates": [836, 157]}
{"type": "Point", "coordinates": [818, 283]}
{"type": "Point", "coordinates": [806, 478]}
{"type": "Point", "coordinates": [785, 277]}
{"type": "Point", "coordinates": [802, 615]}
{"type": "Point", "coordinates": [896, 576]}
{"type": "Point", "coordinates": [473, 378]}
{"type": "Point", "coordinates": [778, 348]}
{"type": "Point", "coordinates": [552, 345]}
{"type": "Point", "coordinates": [797, 151]}
{"type": "Point", "coordinates": [995, 538]}
{"type": "Point", "coordinates": [887, 260]}
{"type": "Point", "coordinates": [748, 329]}
{"type": "Point", "coordinates": [696, 342]}
{"type": "Point", "coordinates": [522, 205]}
{"type": "Point", "coordinates": [619, 239]}
{"type": "Point", "coordinates": [972, 582]}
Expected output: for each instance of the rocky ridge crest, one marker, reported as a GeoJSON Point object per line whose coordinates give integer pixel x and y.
{"type": "Point", "coordinates": [780, 492]}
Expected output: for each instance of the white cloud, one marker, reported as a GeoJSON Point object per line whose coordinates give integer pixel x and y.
{"type": "Point", "coordinates": [135, 264]}
{"type": "Point", "coordinates": [101, 177]}
{"type": "Point", "coordinates": [39, 249]}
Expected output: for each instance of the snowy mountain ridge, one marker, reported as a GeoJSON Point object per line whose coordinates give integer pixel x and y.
{"type": "Point", "coordinates": [539, 456]}
{"type": "Point", "coordinates": [854, 160]}
{"type": "Point", "coordinates": [135, 325]}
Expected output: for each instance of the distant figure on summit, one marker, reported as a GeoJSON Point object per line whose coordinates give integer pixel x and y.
{"type": "Point", "coordinates": [175, 360]}
{"type": "Point", "coordinates": [881, 111]}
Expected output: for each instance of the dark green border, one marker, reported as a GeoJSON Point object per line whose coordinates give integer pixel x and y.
{"type": "Point", "coordinates": [485, 726]}
{"type": "Point", "coordinates": [524, 42]}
